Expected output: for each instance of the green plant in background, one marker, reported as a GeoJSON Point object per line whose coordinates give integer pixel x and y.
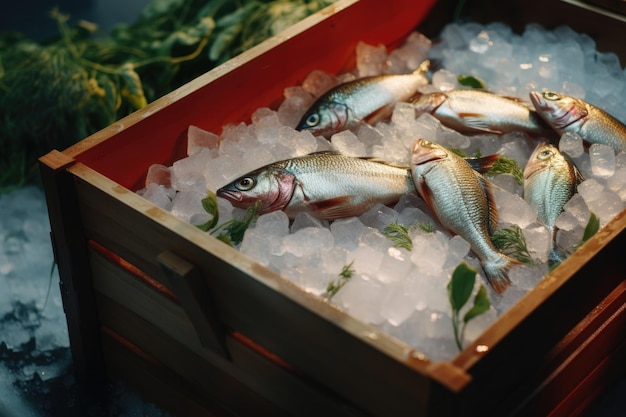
{"type": "Point", "coordinates": [459, 292]}
{"type": "Point", "coordinates": [57, 92]}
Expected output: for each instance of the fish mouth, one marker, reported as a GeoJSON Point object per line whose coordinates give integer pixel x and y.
{"type": "Point", "coordinates": [229, 195]}
{"type": "Point", "coordinates": [422, 154]}
{"type": "Point", "coordinates": [538, 101]}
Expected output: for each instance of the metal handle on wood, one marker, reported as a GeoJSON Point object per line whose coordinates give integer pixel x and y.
{"type": "Point", "coordinates": [187, 283]}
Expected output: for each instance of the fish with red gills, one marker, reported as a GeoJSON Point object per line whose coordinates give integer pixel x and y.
{"type": "Point", "coordinates": [462, 201]}
{"type": "Point", "coordinates": [327, 185]}
{"type": "Point", "coordinates": [570, 114]}
{"type": "Point", "coordinates": [367, 99]}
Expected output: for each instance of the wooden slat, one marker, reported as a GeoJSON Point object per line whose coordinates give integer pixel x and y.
{"type": "Point", "coordinates": [70, 254]}
{"type": "Point", "coordinates": [301, 329]}
{"type": "Point", "coordinates": [187, 282]}
{"type": "Point", "coordinates": [590, 347]}
{"type": "Point", "coordinates": [235, 384]}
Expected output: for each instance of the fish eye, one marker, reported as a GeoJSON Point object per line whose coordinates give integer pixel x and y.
{"type": "Point", "coordinates": [543, 155]}
{"type": "Point", "coordinates": [245, 184]}
{"type": "Point", "coordinates": [313, 120]}
{"type": "Point", "coordinates": [549, 95]}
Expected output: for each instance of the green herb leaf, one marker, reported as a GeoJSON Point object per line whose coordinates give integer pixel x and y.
{"type": "Point", "coordinates": [209, 204]}
{"type": "Point", "coordinates": [399, 234]}
{"type": "Point", "coordinates": [471, 81]}
{"type": "Point", "coordinates": [593, 225]}
{"type": "Point", "coordinates": [334, 286]}
{"type": "Point", "coordinates": [511, 242]}
{"type": "Point", "coordinates": [509, 166]}
{"type": "Point", "coordinates": [461, 285]}
{"type": "Point", "coordinates": [481, 304]}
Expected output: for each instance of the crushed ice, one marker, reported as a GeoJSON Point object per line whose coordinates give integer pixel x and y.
{"type": "Point", "coordinates": [404, 293]}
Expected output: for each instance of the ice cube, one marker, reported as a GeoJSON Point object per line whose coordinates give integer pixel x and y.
{"type": "Point", "coordinates": [186, 204]}
{"type": "Point", "coordinates": [160, 175]}
{"type": "Point", "coordinates": [395, 264]}
{"type": "Point", "coordinates": [537, 239]}
{"type": "Point", "coordinates": [186, 173]}
{"type": "Point", "coordinates": [199, 139]}
{"type": "Point", "coordinates": [347, 143]}
{"type": "Point", "coordinates": [318, 82]}
{"type": "Point", "coordinates": [370, 59]}
{"type": "Point", "coordinates": [304, 220]}
{"type": "Point", "coordinates": [445, 80]}
{"type": "Point", "coordinates": [347, 232]}
{"type": "Point", "coordinates": [513, 209]}
{"type": "Point", "coordinates": [602, 160]}
{"type": "Point", "coordinates": [361, 297]}
{"type": "Point", "coordinates": [308, 241]}
{"type": "Point", "coordinates": [571, 144]}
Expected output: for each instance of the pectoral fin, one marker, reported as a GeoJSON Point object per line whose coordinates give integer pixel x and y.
{"type": "Point", "coordinates": [483, 163]}
{"type": "Point", "coordinates": [335, 208]}
{"type": "Point", "coordinates": [478, 121]}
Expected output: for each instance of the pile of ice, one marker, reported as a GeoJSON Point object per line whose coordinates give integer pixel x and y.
{"type": "Point", "coordinates": [404, 292]}
{"type": "Point", "coordinates": [36, 372]}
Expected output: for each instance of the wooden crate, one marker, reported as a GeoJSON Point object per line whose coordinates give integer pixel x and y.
{"type": "Point", "coordinates": [201, 329]}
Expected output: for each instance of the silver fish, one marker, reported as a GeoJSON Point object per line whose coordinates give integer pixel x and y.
{"type": "Point", "coordinates": [478, 111]}
{"type": "Point", "coordinates": [325, 184]}
{"type": "Point", "coordinates": [550, 181]}
{"type": "Point", "coordinates": [368, 99]}
{"type": "Point", "coordinates": [462, 201]}
{"type": "Point", "coordinates": [569, 114]}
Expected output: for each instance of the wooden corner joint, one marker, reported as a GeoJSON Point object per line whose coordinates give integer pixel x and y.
{"type": "Point", "coordinates": [56, 160]}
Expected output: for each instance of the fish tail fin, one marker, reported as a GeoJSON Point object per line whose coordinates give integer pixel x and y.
{"type": "Point", "coordinates": [497, 272]}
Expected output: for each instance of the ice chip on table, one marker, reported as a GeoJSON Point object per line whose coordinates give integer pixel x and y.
{"type": "Point", "coordinates": [370, 59]}
{"type": "Point", "coordinates": [602, 158]}
{"type": "Point", "coordinates": [571, 144]}
{"type": "Point", "coordinates": [347, 143]}
{"type": "Point", "coordinates": [199, 139]}
{"type": "Point", "coordinates": [160, 175]}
